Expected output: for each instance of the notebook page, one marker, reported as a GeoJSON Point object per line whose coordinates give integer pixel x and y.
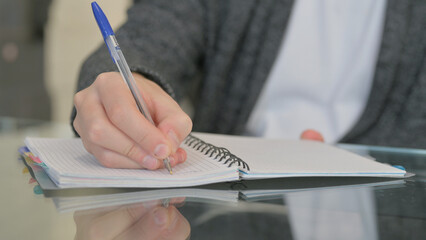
{"type": "Point", "coordinates": [68, 160]}
{"type": "Point", "coordinates": [285, 158]}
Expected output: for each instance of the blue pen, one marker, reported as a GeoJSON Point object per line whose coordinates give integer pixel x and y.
{"type": "Point", "coordinates": [118, 58]}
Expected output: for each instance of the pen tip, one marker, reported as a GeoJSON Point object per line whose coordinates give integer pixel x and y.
{"type": "Point", "coordinates": [167, 165]}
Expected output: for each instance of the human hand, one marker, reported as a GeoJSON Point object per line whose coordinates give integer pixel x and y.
{"type": "Point", "coordinates": [310, 134]}
{"type": "Point", "coordinates": [113, 129]}
{"type": "Point", "coordinates": [147, 220]}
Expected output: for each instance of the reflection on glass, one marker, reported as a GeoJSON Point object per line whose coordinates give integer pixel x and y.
{"type": "Point", "coordinates": [147, 220]}
{"type": "Point", "coordinates": [347, 213]}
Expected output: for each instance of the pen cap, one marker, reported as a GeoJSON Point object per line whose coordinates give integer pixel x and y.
{"type": "Point", "coordinates": [102, 21]}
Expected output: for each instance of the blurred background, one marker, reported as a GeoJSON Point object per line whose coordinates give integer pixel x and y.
{"type": "Point", "coordinates": [43, 44]}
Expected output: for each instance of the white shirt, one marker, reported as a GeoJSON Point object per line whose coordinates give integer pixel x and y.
{"type": "Point", "coordinates": [324, 70]}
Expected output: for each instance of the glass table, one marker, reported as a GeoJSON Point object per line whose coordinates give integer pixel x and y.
{"type": "Point", "coordinates": [293, 208]}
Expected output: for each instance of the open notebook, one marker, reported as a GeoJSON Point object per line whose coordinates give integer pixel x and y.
{"type": "Point", "coordinates": [72, 199]}
{"type": "Point", "coordinates": [212, 158]}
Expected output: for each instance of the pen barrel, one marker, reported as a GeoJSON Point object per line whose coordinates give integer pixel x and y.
{"type": "Point", "coordinates": [127, 76]}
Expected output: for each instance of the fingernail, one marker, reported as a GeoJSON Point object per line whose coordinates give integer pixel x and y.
{"type": "Point", "coordinates": [174, 138]}
{"type": "Point", "coordinates": [160, 216]}
{"type": "Point", "coordinates": [172, 160]}
{"type": "Point", "coordinates": [150, 162]}
{"type": "Point", "coordinates": [161, 151]}
{"type": "Point", "coordinates": [182, 156]}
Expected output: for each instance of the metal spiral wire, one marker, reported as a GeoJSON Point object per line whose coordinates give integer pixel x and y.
{"type": "Point", "coordinates": [220, 154]}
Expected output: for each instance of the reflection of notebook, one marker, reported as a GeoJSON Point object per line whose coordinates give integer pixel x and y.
{"type": "Point", "coordinates": [67, 204]}
{"type": "Point", "coordinates": [215, 158]}
{"type": "Point", "coordinates": [210, 194]}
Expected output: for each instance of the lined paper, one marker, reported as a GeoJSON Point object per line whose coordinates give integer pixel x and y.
{"type": "Point", "coordinates": [67, 160]}
{"type": "Point", "coordinates": [271, 158]}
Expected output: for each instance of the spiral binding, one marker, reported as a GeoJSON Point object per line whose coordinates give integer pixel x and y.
{"type": "Point", "coordinates": [220, 154]}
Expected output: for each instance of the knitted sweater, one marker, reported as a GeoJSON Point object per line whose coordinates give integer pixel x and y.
{"type": "Point", "coordinates": [219, 53]}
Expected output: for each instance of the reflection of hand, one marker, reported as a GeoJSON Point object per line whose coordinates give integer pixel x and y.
{"type": "Point", "coordinates": [138, 221]}
{"type": "Point", "coordinates": [116, 133]}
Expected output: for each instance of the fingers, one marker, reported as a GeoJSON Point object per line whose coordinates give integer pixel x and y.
{"type": "Point", "coordinates": [108, 223]}
{"type": "Point", "coordinates": [118, 135]}
{"type": "Point", "coordinates": [172, 120]}
{"type": "Point", "coordinates": [312, 135]}
{"type": "Point", "coordinates": [109, 145]}
{"type": "Point", "coordinates": [180, 155]}
{"type": "Point", "coordinates": [147, 220]}
{"type": "Point", "coordinates": [123, 113]}
{"type": "Point", "coordinates": [112, 159]}
{"type": "Point", "coordinates": [115, 160]}
{"type": "Point", "coordinates": [159, 223]}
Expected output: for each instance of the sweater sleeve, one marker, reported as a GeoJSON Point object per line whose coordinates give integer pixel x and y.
{"type": "Point", "coordinates": [162, 40]}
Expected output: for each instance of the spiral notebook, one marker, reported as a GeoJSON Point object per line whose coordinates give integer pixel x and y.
{"type": "Point", "coordinates": [212, 158]}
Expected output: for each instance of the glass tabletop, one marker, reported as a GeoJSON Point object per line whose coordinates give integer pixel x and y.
{"type": "Point", "coordinates": [291, 208]}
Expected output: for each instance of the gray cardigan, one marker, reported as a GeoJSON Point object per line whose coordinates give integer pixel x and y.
{"type": "Point", "coordinates": [219, 54]}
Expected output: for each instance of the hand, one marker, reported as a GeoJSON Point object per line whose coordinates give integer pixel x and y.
{"type": "Point", "coordinates": [138, 221]}
{"type": "Point", "coordinates": [312, 135]}
{"type": "Point", "coordinates": [118, 135]}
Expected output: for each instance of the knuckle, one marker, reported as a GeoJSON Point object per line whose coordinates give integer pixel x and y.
{"type": "Point", "coordinates": [103, 77]}
{"type": "Point", "coordinates": [78, 98]}
{"type": "Point", "coordinates": [104, 81]}
{"type": "Point", "coordinates": [76, 125]}
{"type": "Point", "coordinates": [106, 159]}
{"type": "Point", "coordinates": [95, 132]}
{"type": "Point", "coordinates": [117, 114]}
{"type": "Point", "coordinates": [185, 123]}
